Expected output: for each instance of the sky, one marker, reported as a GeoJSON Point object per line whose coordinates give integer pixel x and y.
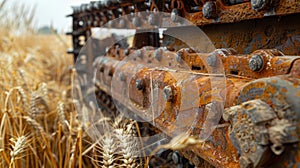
{"type": "Point", "coordinates": [53, 11]}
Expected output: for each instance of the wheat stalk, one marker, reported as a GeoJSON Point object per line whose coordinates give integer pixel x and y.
{"type": "Point", "coordinates": [127, 143]}
{"type": "Point", "coordinates": [19, 145]}
{"type": "Point", "coordinates": [106, 149]}
{"type": "Point", "coordinates": [61, 112]}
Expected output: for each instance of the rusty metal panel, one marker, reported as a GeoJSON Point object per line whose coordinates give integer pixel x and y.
{"type": "Point", "coordinates": [223, 148]}
{"type": "Point", "coordinates": [259, 77]}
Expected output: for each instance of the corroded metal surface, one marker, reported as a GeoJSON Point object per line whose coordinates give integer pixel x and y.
{"type": "Point", "coordinates": [276, 32]}
{"type": "Point", "coordinates": [227, 146]}
{"type": "Point", "coordinates": [252, 36]}
{"type": "Point", "coordinates": [175, 87]}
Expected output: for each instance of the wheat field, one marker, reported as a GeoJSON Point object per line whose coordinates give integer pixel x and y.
{"type": "Point", "coordinates": [39, 124]}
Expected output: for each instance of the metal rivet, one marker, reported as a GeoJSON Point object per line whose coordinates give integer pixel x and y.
{"type": "Point", "coordinates": [140, 54]}
{"type": "Point", "coordinates": [168, 93]}
{"type": "Point", "coordinates": [256, 63]}
{"type": "Point", "coordinates": [212, 60]}
{"type": "Point", "coordinates": [107, 49]}
{"type": "Point", "coordinates": [175, 157]}
{"type": "Point", "coordinates": [209, 10]}
{"type": "Point", "coordinates": [140, 84]}
{"type": "Point", "coordinates": [137, 22]}
{"type": "Point", "coordinates": [122, 23]}
{"type": "Point", "coordinates": [126, 52]}
{"type": "Point", "coordinates": [158, 54]}
{"type": "Point", "coordinates": [153, 19]}
{"type": "Point", "coordinates": [179, 56]}
{"type": "Point", "coordinates": [175, 15]}
{"type": "Point", "coordinates": [107, 3]}
{"type": "Point", "coordinates": [95, 23]}
{"type": "Point", "coordinates": [90, 7]}
{"type": "Point", "coordinates": [101, 69]}
{"type": "Point", "coordinates": [111, 72]}
{"type": "Point", "coordinates": [259, 4]}
{"type": "Point", "coordinates": [122, 76]}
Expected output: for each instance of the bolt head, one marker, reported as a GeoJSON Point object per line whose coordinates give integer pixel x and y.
{"type": "Point", "coordinates": [122, 23]}
{"type": "Point", "coordinates": [158, 54]}
{"type": "Point", "coordinates": [107, 49]}
{"type": "Point", "coordinates": [126, 52]}
{"type": "Point", "coordinates": [95, 23]}
{"type": "Point", "coordinates": [175, 157]}
{"type": "Point", "coordinates": [175, 15]}
{"type": "Point", "coordinates": [140, 84]}
{"type": "Point", "coordinates": [137, 22]}
{"type": "Point", "coordinates": [259, 4]}
{"type": "Point", "coordinates": [107, 3]}
{"type": "Point", "coordinates": [122, 76]}
{"type": "Point", "coordinates": [212, 60]}
{"type": "Point", "coordinates": [168, 93]}
{"type": "Point", "coordinates": [256, 63]}
{"type": "Point", "coordinates": [178, 56]}
{"type": "Point", "coordinates": [98, 5]}
{"type": "Point", "coordinates": [153, 19]}
{"type": "Point", "coordinates": [140, 53]}
{"type": "Point", "coordinates": [209, 10]}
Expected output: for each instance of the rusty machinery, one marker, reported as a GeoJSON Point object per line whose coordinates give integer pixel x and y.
{"type": "Point", "coordinates": [258, 45]}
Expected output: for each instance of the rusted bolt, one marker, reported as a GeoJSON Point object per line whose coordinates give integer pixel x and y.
{"type": "Point", "coordinates": [90, 7]}
{"type": "Point", "coordinates": [111, 72]}
{"type": "Point", "coordinates": [256, 63]}
{"type": "Point", "coordinates": [179, 56]}
{"type": "Point", "coordinates": [168, 93]}
{"type": "Point", "coordinates": [212, 60]}
{"type": "Point", "coordinates": [83, 7]}
{"type": "Point", "coordinates": [122, 23]}
{"type": "Point", "coordinates": [122, 76]}
{"type": "Point", "coordinates": [209, 10]}
{"type": "Point", "coordinates": [94, 5]}
{"type": "Point", "coordinates": [260, 4]}
{"type": "Point", "coordinates": [107, 49]}
{"type": "Point", "coordinates": [175, 157]}
{"type": "Point", "coordinates": [126, 52]}
{"type": "Point", "coordinates": [158, 54]}
{"type": "Point", "coordinates": [140, 54]}
{"type": "Point", "coordinates": [107, 3]}
{"type": "Point", "coordinates": [101, 69]}
{"type": "Point", "coordinates": [175, 15]}
{"type": "Point", "coordinates": [153, 19]}
{"type": "Point", "coordinates": [95, 23]}
{"type": "Point", "coordinates": [140, 84]}
{"type": "Point", "coordinates": [137, 22]}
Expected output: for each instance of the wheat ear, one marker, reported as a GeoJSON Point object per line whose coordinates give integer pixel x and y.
{"type": "Point", "coordinates": [128, 145]}
{"type": "Point", "coordinates": [19, 146]}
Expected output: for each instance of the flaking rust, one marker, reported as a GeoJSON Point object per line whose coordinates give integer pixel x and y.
{"type": "Point", "coordinates": [249, 87]}
{"type": "Point", "coordinates": [262, 112]}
